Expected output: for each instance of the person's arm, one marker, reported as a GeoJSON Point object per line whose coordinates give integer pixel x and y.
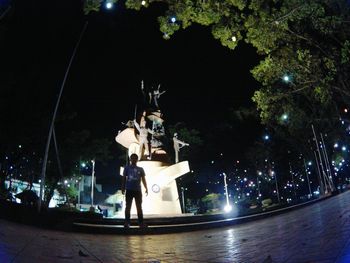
{"type": "Point", "coordinates": [137, 125]}
{"type": "Point", "coordinates": [143, 179]}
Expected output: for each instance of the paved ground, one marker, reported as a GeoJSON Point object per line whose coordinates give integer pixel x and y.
{"type": "Point", "coordinates": [316, 233]}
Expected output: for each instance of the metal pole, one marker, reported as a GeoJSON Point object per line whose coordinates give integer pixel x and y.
{"type": "Point", "coordinates": [43, 170]}
{"type": "Point", "coordinates": [183, 199]}
{"type": "Point", "coordinates": [259, 194]}
{"type": "Point", "coordinates": [92, 184]}
{"type": "Point", "coordinates": [319, 175]}
{"type": "Point", "coordinates": [329, 171]}
{"type": "Point", "coordinates": [319, 155]}
{"type": "Point", "coordinates": [5, 12]}
{"type": "Point", "coordinates": [278, 194]}
{"type": "Point", "coordinates": [308, 180]}
{"type": "Point", "coordinates": [226, 192]}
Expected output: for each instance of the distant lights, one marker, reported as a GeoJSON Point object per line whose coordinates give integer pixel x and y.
{"type": "Point", "coordinates": [336, 145]}
{"type": "Point", "coordinates": [234, 39]}
{"type": "Point", "coordinates": [173, 19]}
{"type": "Point", "coordinates": [143, 2]}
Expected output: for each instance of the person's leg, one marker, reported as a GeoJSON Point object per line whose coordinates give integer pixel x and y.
{"type": "Point", "coordinates": [138, 201]}
{"type": "Point", "coordinates": [128, 200]}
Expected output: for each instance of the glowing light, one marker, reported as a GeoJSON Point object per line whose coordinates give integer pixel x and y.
{"type": "Point", "coordinates": [173, 19]}
{"type": "Point", "coordinates": [234, 39]}
{"type": "Point", "coordinates": [109, 5]}
{"type": "Point", "coordinates": [286, 78]}
{"type": "Point", "coordinates": [285, 117]}
{"type": "Point", "coordinates": [227, 208]}
{"type": "Point", "coordinates": [266, 137]}
{"type": "Point", "coordinates": [336, 145]}
{"type": "Point", "coordinates": [143, 2]}
{"type": "Point", "coordinates": [343, 148]}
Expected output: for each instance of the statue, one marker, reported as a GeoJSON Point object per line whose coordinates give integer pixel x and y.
{"type": "Point", "coordinates": [143, 139]}
{"type": "Point", "coordinates": [156, 96]}
{"type": "Point", "coordinates": [163, 199]}
{"type": "Point", "coordinates": [178, 144]}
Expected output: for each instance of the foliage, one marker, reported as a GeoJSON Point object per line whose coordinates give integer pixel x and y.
{"type": "Point", "coordinates": [304, 67]}
{"type": "Point", "coordinates": [308, 40]}
{"type": "Point", "coordinates": [211, 201]}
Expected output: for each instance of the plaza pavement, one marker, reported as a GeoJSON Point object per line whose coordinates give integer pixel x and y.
{"type": "Point", "coordinates": [318, 233]}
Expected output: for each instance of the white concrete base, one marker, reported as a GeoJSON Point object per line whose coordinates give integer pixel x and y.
{"type": "Point", "coordinates": [163, 197]}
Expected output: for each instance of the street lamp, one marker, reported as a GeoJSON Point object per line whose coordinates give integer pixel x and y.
{"type": "Point", "coordinates": [258, 182]}
{"type": "Point", "coordinates": [276, 183]}
{"type": "Point", "coordinates": [92, 208]}
{"type": "Point", "coordinates": [308, 180]}
{"type": "Point", "coordinates": [183, 199]}
{"type": "Point", "coordinates": [228, 207]}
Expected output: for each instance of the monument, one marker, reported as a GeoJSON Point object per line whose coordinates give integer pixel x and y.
{"type": "Point", "coordinates": [145, 136]}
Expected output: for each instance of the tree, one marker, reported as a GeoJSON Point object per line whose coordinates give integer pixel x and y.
{"type": "Point", "coordinates": [304, 45]}
{"type": "Point", "coordinates": [76, 148]}
{"type": "Point", "coordinates": [211, 201]}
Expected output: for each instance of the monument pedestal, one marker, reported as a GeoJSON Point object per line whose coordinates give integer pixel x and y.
{"type": "Point", "coordinates": [163, 196]}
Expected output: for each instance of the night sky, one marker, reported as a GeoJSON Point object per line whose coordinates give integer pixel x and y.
{"type": "Point", "coordinates": [121, 47]}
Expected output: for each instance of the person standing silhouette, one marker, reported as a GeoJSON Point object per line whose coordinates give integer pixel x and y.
{"type": "Point", "coordinates": [131, 187]}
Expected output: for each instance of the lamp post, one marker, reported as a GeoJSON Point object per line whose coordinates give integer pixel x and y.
{"type": "Point", "coordinates": [183, 199]}
{"type": "Point", "coordinates": [227, 207]}
{"type": "Point", "coordinates": [258, 182]}
{"type": "Point", "coordinates": [277, 191]}
{"type": "Point", "coordinates": [92, 208]}
{"type": "Point", "coordinates": [308, 180]}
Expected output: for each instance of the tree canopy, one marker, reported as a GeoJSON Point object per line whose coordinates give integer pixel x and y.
{"type": "Point", "coordinates": [305, 48]}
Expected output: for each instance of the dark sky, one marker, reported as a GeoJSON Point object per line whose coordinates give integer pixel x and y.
{"type": "Point", "coordinates": [120, 48]}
